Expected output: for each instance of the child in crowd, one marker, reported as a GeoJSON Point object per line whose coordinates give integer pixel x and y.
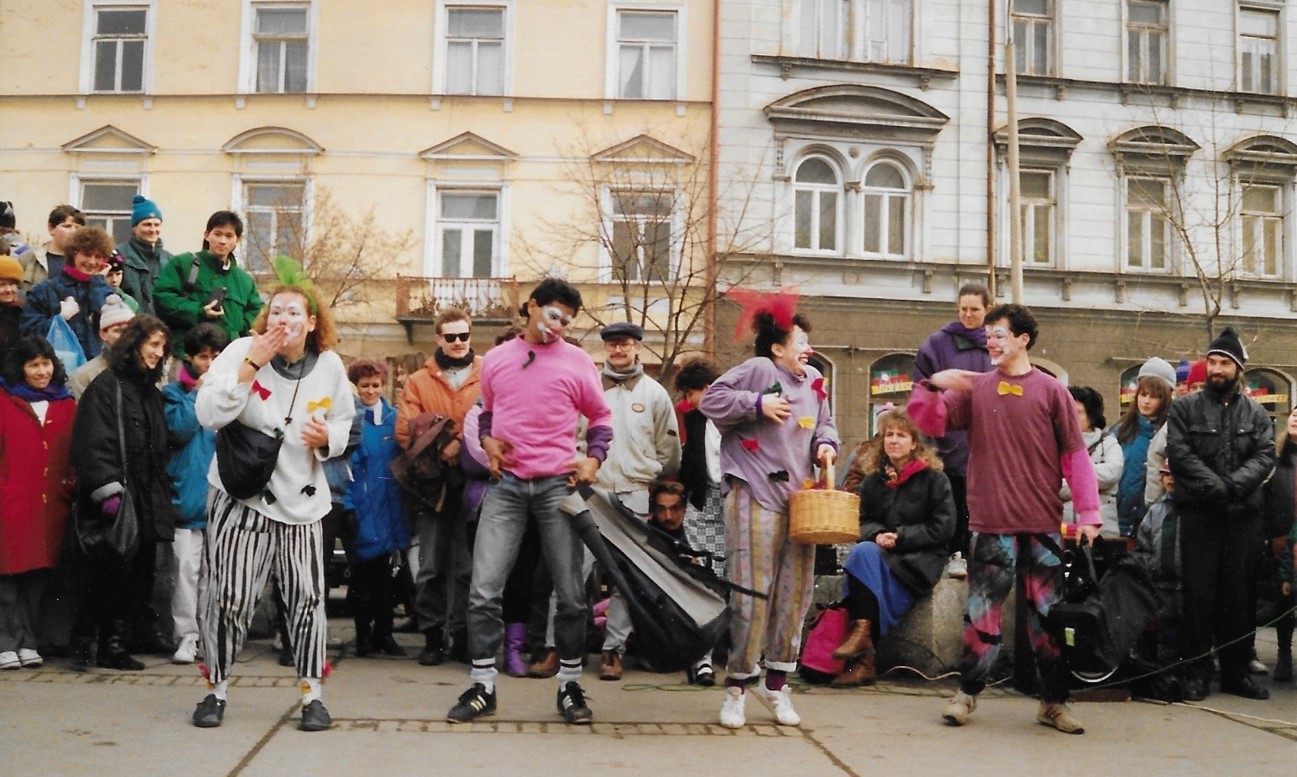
{"type": "Point", "coordinates": [114, 272]}
{"type": "Point", "coordinates": [1157, 546]}
{"type": "Point", "coordinates": [194, 449]}
{"type": "Point", "coordinates": [377, 531]}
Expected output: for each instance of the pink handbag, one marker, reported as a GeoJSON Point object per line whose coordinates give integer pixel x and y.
{"type": "Point", "coordinates": [827, 632]}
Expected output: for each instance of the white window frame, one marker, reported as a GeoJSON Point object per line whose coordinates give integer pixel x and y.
{"type": "Point", "coordinates": [1150, 216]}
{"type": "Point", "coordinates": [817, 46]}
{"type": "Point", "coordinates": [1256, 221]}
{"type": "Point", "coordinates": [1145, 33]}
{"type": "Point", "coordinates": [241, 205]}
{"type": "Point", "coordinates": [89, 25]}
{"type": "Point", "coordinates": [1026, 44]}
{"type": "Point", "coordinates": [870, 34]}
{"type": "Point", "coordinates": [606, 273]}
{"type": "Point", "coordinates": [612, 80]}
{"type": "Point", "coordinates": [817, 190]}
{"type": "Point", "coordinates": [906, 195]}
{"type": "Point", "coordinates": [1054, 201]}
{"type": "Point", "coordinates": [97, 216]}
{"type": "Point", "coordinates": [1248, 44]}
{"type": "Point", "coordinates": [436, 264]}
{"type": "Point", "coordinates": [248, 60]}
{"type": "Point", "coordinates": [441, 55]}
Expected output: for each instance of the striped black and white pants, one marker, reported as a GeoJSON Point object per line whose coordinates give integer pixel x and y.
{"type": "Point", "coordinates": [243, 547]}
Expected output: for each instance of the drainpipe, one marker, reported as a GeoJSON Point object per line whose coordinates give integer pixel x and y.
{"type": "Point", "coordinates": [709, 314]}
{"type": "Point", "coordinates": [990, 147]}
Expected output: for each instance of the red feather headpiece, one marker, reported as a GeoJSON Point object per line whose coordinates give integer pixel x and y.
{"type": "Point", "coordinates": [781, 305]}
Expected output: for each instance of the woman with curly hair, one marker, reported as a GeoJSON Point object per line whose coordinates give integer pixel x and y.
{"type": "Point", "coordinates": [907, 516]}
{"type": "Point", "coordinates": [773, 414]}
{"type": "Point", "coordinates": [36, 412]}
{"type": "Point", "coordinates": [120, 593]}
{"type": "Point", "coordinates": [283, 381]}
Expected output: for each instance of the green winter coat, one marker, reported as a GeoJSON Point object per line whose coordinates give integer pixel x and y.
{"type": "Point", "coordinates": [140, 274]}
{"type": "Point", "coordinates": [183, 310]}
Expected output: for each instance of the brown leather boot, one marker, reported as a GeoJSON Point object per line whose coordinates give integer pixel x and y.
{"type": "Point", "coordinates": [858, 642]}
{"type": "Point", "coordinates": [545, 666]}
{"type": "Point", "coordinates": [859, 672]}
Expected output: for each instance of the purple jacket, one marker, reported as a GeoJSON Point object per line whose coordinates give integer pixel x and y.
{"type": "Point", "coordinates": [772, 459]}
{"type": "Point", "coordinates": [952, 347]}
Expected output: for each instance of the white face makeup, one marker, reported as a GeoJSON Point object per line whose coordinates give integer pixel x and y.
{"type": "Point", "coordinates": [1001, 344]}
{"type": "Point", "coordinates": [553, 323]}
{"type": "Point", "coordinates": [795, 353]}
{"type": "Point", "coordinates": [288, 312]}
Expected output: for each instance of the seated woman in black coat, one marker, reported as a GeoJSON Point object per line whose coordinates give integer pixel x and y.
{"type": "Point", "coordinates": [907, 516]}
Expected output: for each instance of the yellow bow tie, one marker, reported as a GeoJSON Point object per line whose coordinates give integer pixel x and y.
{"type": "Point", "coordinates": [327, 402]}
{"type": "Point", "coordinates": [1009, 388]}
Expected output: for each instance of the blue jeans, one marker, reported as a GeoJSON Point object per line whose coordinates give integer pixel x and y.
{"type": "Point", "coordinates": [505, 510]}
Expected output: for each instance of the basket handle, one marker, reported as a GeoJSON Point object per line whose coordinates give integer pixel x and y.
{"type": "Point", "coordinates": [830, 478]}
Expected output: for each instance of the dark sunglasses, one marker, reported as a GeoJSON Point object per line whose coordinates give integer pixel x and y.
{"type": "Point", "coordinates": [453, 337]}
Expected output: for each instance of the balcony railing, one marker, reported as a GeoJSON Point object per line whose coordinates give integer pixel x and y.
{"type": "Point", "coordinates": [420, 300]}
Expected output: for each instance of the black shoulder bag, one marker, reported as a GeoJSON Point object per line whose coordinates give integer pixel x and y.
{"type": "Point", "coordinates": [116, 539]}
{"type": "Point", "coordinates": [246, 457]}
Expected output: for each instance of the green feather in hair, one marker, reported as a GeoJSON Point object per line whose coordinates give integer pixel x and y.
{"type": "Point", "coordinates": [290, 273]}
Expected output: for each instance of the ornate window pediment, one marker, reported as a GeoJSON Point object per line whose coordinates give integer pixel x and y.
{"type": "Point", "coordinates": [272, 140]}
{"type": "Point", "coordinates": [108, 140]}
{"type": "Point", "coordinates": [1041, 139]}
{"type": "Point", "coordinates": [1264, 156]}
{"type": "Point", "coordinates": [852, 110]}
{"type": "Point", "coordinates": [643, 149]}
{"type": "Point", "coordinates": [1161, 146]}
{"type": "Point", "coordinates": [468, 146]}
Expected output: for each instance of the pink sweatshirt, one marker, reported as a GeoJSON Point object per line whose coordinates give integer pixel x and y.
{"type": "Point", "coordinates": [1022, 444]}
{"type": "Point", "coordinates": [535, 395]}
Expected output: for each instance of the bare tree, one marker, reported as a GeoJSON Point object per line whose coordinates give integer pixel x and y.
{"type": "Point", "coordinates": [646, 225]}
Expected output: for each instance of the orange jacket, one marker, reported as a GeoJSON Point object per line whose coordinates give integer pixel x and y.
{"type": "Point", "coordinates": [428, 391]}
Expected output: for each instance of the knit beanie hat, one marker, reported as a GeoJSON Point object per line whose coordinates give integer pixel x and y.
{"type": "Point", "coordinates": [143, 208]}
{"type": "Point", "coordinates": [114, 312]}
{"type": "Point", "coordinates": [7, 218]}
{"type": "Point", "coordinates": [1157, 367]}
{"type": "Point", "coordinates": [10, 270]}
{"type": "Point", "coordinates": [1228, 344]}
{"type": "Point", "coordinates": [1197, 372]}
{"type": "Point", "coordinates": [1182, 371]}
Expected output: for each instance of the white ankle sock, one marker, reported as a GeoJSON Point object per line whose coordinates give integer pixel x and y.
{"type": "Point", "coordinates": [222, 690]}
{"type": "Point", "coordinates": [312, 689]}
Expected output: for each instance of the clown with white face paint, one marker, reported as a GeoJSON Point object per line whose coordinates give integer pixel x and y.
{"type": "Point", "coordinates": [773, 414]}
{"type": "Point", "coordinates": [282, 380]}
{"type": "Point", "coordinates": [1024, 438]}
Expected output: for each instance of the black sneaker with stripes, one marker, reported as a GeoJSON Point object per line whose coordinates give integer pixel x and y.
{"type": "Point", "coordinates": [473, 703]}
{"type": "Point", "coordinates": [571, 702]}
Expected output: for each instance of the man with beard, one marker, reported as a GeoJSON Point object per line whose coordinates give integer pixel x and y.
{"type": "Point", "coordinates": [1220, 443]}
{"type": "Point", "coordinates": [1024, 438]}
{"type": "Point", "coordinates": [448, 385]}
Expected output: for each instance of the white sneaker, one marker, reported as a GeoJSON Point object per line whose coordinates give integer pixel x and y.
{"type": "Point", "coordinates": [782, 701]}
{"type": "Point", "coordinates": [957, 568]}
{"type": "Point", "coordinates": [188, 650]}
{"type": "Point", "coordinates": [732, 715]}
{"type": "Point", "coordinates": [9, 660]}
{"type": "Point", "coordinates": [30, 658]}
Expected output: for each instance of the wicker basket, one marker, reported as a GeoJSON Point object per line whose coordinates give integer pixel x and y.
{"type": "Point", "coordinates": [824, 516]}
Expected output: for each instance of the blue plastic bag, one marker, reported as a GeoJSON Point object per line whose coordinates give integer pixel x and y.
{"type": "Point", "coordinates": [66, 345]}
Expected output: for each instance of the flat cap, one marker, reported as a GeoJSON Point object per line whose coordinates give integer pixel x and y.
{"type": "Point", "coordinates": [622, 329]}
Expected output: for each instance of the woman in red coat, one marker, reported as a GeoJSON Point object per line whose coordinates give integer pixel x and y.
{"type": "Point", "coordinates": [36, 412]}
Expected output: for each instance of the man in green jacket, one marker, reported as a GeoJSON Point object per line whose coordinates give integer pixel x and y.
{"type": "Point", "coordinates": [209, 286]}
{"type": "Point", "coordinates": [143, 252]}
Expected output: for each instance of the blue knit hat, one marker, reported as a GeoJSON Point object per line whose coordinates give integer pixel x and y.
{"type": "Point", "coordinates": [143, 208]}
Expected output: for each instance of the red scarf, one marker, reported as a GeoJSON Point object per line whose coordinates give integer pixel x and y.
{"type": "Point", "coordinates": [76, 274]}
{"type": "Point", "coordinates": [894, 479]}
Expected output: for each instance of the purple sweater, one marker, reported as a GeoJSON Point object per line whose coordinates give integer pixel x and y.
{"type": "Point", "coordinates": [772, 459]}
{"type": "Point", "coordinates": [952, 347]}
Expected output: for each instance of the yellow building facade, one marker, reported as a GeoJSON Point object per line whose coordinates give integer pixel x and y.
{"type": "Point", "coordinates": [473, 140]}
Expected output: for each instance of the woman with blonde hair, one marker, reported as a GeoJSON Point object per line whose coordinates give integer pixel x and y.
{"type": "Point", "coordinates": [907, 516]}
{"type": "Point", "coordinates": [281, 381]}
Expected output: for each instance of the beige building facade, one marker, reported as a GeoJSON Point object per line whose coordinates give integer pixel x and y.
{"type": "Point", "coordinates": [478, 141]}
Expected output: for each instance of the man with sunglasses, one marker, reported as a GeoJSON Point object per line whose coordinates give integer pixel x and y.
{"type": "Point", "coordinates": [646, 446]}
{"type": "Point", "coordinates": [448, 385]}
{"type": "Point", "coordinates": [534, 390]}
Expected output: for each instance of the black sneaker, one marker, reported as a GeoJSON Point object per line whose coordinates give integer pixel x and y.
{"type": "Point", "coordinates": [315, 717]}
{"type": "Point", "coordinates": [1243, 685]}
{"type": "Point", "coordinates": [473, 703]}
{"type": "Point", "coordinates": [210, 712]}
{"type": "Point", "coordinates": [571, 702]}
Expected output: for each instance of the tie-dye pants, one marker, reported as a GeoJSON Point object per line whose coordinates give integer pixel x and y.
{"type": "Point", "coordinates": [760, 556]}
{"type": "Point", "coordinates": [993, 559]}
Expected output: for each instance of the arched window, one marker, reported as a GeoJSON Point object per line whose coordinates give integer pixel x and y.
{"type": "Point", "coordinates": [817, 194]}
{"type": "Point", "coordinates": [1271, 390]}
{"type": "Point", "coordinates": [887, 201]}
{"type": "Point", "coordinates": [890, 381]}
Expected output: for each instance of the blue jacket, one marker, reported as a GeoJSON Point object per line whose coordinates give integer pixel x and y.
{"type": "Point", "coordinates": [373, 493]}
{"type": "Point", "coordinates": [337, 470]}
{"type": "Point", "coordinates": [44, 299]}
{"type": "Point", "coordinates": [193, 448]}
{"type": "Point", "coordinates": [1130, 490]}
